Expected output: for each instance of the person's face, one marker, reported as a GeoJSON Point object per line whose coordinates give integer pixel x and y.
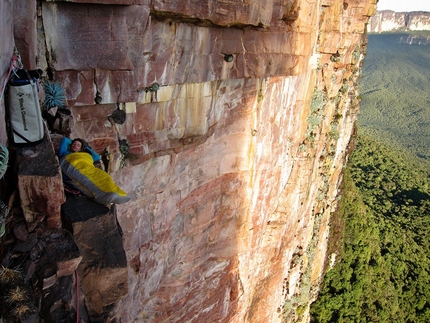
{"type": "Point", "coordinates": [76, 146]}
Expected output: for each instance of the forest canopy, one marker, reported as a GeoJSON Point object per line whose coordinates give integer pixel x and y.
{"type": "Point", "coordinates": [382, 272]}
{"type": "Point", "coordinates": [395, 91]}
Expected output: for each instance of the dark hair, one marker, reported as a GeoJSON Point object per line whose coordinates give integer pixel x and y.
{"type": "Point", "coordinates": [83, 143]}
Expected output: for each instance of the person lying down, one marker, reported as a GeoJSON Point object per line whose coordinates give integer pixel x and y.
{"type": "Point", "coordinates": [77, 164]}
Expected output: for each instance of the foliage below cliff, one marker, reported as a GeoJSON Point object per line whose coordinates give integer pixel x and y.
{"type": "Point", "coordinates": [395, 90]}
{"type": "Point", "coordinates": [383, 274]}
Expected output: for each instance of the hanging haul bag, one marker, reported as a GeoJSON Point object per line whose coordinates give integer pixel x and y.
{"type": "Point", "coordinates": [25, 117]}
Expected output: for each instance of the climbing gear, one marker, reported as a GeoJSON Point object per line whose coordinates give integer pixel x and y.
{"type": "Point", "coordinates": [15, 65]}
{"type": "Point", "coordinates": [118, 116]}
{"type": "Point", "coordinates": [25, 116]}
{"type": "Point", "coordinates": [124, 146]}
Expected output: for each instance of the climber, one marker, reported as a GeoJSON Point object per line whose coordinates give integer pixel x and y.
{"type": "Point", "coordinates": [68, 146]}
{"type": "Point", "coordinates": [78, 164]}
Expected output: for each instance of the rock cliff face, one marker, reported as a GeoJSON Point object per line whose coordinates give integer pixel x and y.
{"type": "Point", "coordinates": [387, 20]}
{"type": "Point", "coordinates": [238, 119]}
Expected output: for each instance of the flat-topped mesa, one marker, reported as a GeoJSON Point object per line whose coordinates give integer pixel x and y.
{"type": "Point", "coordinates": [390, 21]}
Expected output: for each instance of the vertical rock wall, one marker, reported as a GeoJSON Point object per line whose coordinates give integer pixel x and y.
{"type": "Point", "coordinates": [238, 114]}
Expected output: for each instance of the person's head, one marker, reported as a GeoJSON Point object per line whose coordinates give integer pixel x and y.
{"type": "Point", "coordinates": [77, 145]}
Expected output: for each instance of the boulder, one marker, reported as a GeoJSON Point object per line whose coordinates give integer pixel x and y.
{"type": "Point", "coordinates": [40, 184]}
{"type": "Point", "coordinates": [103, 270]}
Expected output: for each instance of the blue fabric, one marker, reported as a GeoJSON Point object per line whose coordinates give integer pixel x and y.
{"type": "Point", "coordinates": [64, 149]}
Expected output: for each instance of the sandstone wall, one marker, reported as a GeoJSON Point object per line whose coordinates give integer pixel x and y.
{"type": "Point", "coordinates": [240, 114]}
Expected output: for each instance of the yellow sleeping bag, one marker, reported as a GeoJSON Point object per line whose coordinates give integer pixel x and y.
{"type": "Point", "coordinates": [90, 180]}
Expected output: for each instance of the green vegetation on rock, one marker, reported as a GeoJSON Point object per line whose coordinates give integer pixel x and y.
{"type": "Point", "coordinates": [380, 231]}
{"type": "Point", "coordinates": [384, 271]}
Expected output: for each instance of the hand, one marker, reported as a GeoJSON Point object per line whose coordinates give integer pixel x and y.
{"type": "Point", "coordinates": [98, 164]}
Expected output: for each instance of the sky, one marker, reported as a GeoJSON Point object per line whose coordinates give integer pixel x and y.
{"type": "Point", "coordinates": [404, 5]}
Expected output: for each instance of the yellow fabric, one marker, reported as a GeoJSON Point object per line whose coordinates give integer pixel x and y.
{"type": "Point", "coordinates": [83, 162]}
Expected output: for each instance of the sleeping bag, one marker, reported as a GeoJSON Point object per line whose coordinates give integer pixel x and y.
{"type": "Point", "coordinates": [91, 181]}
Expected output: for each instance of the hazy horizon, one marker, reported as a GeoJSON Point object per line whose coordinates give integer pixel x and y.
{"type": "Point", "coordinates": [404, 6]}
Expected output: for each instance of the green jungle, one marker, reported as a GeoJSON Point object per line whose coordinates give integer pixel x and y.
{"type": "Point", "coordinates": [381, 229]}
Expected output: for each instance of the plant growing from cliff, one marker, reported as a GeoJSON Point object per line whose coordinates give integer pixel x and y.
{"type": "Point", "coordinates": [345, 87]}
{"type": "Point", "coordinates": [295, 308]}
{"type": "Point", "coordinates": [334, 132]}
{"type": "Point", "coordinates": [16, 294]}
{"type": "Point", "coordinates": [8, 275]}
{"type": "Point", "coordinates": [22, 311]}
{"type": "Point", "coordinates": [55, 95]}
{"type": "Point", "coordinates": [17, 299]}
{"type": "Point", "coordinates": [337, 117]}
{"type": "Point", "coordinates": [302, 147]}
{"type": "Point", "coordinates": [260, 96]}
{"type": "Point", "coordinates": [333, 78]}
{"type": "Point", "coordinates": [318, 100]}
{"type": "Point", "coordinates": [314, 120]}
{"type": "Point", "coordinates": [317, 105]}
{"type": "Point", "coordinates": [124, 148]}
{"type": "Point", "coordinates": [356, 54]}
{"type": "Point", "coordinates": [4, 159]}
{"type": "Point", "coordinates": [335, 58]}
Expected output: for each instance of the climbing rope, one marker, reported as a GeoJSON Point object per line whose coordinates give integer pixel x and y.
{"type": "Point", "coordinates": [15, 65]}
{"type": "Point", "coordinates": [77, 296]}
{"type": "Point", "coordinates": [118, 117]}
